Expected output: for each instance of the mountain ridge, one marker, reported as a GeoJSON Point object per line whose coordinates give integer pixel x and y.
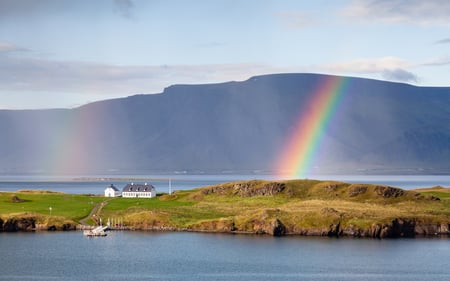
{"type": "Point", "coordinates": [239, 126]}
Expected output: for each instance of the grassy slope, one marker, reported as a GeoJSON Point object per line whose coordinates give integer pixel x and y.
{"type": "Point", "coordinates": [301, 204]}
{"type": "Point", "coordinates": [65, 207]}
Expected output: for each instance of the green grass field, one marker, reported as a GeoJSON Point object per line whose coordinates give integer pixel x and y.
{"type": "Point", "coordinates": [245, 205]}
{"type": "Point", "coordinates": [70, 206]}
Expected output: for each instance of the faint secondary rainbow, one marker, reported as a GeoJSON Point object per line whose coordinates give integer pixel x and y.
{"type": "Point", "coordinates": [304, 144]}
{"type": "Point", "coordinates": [66, 153]}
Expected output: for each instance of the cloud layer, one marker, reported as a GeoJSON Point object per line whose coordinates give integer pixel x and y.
{"type": "Point", "coordinates": [429, 12]}
{"type": "Point", "coordinates": [389, 68]}
{"type": "Point", "coordinates": [443, 41]}
{"type": "Point", "coordinates": [28, 74]}
{"type": "Point", "coordinates": [8, 47]}
{"type": "Point", "coordinates": [399, 75]}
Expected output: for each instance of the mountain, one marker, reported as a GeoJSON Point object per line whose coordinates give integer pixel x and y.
{"type": "Point", "coordinates": [234, 127]}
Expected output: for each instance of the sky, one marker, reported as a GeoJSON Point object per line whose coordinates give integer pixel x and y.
{"type": "Point", "coordinates": [65, 53]}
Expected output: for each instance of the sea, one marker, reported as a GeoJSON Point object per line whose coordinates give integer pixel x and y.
{"type": "Point", "coordinates": [200, 256]}
{"type": "Point", "coordinates": [136, 255]}
{"type": "Point", "coordinates": [96, 184]}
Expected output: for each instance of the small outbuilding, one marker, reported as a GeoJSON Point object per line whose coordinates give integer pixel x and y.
{"type": "Point", "coordinates": [133, 190]}
{"type": "Point", "coordinates": [112, 191]}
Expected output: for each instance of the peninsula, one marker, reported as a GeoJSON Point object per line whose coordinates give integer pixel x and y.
{"type": "Point", "coordinates": [278, 208]}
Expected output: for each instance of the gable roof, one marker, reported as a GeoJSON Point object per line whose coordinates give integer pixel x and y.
{"type": "Point", "coordinates": [132, 187]}
{"type": "Point", "coordinates": [113, 187]}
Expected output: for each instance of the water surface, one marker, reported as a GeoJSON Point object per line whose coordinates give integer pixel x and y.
{"type": "Point", "coordinates": [196, 256]}
{"type": "Point", "coordinates": [186, 182]}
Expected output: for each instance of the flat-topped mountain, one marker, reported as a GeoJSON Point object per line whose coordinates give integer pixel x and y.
{"type": "Point", "coordinates": [235, 127]}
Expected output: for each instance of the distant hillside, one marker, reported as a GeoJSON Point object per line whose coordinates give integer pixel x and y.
{"type": "Point", "coordinates": [234, 127]}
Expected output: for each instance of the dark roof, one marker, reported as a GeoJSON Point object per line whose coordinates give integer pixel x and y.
{"type": "Point", "coordinates": [138, 187]}
{"type": "Point", "coordinates": [113, 187]}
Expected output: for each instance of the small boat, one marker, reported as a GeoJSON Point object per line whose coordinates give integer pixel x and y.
{"type": "Point", "coordinates": [98, 231]}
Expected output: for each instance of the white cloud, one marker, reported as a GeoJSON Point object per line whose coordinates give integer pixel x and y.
{"type": "Point", "coordinates": [444, 60]}
{"type": "Point", "coordinates": [429, 12]}
{"type": "Point", "coordinates": [26, 74]}
{"type": "Point", "coordinates": [389, 68]}
{"type": "Point", "coordinates": [368, 65]}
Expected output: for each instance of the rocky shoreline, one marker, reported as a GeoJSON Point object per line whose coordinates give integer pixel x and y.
{"type": "Point", "coordinates": [29, 224]}
{"type": "Point", "coordinates": [397, 228]}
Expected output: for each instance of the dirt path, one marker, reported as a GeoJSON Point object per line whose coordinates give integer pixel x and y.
{"type": "Point", "coordinates": [95, 213]}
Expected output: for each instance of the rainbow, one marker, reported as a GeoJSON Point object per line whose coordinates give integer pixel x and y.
{"type": "Point", "coordinates": [304, 144]}
{"type": "Point", "coordinates": [76, 131]}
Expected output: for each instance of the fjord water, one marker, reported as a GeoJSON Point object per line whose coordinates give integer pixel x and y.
{"type": "Point", "coordinates": [96, 184]}
{"type": "Point", "coordinates": [195, 256]}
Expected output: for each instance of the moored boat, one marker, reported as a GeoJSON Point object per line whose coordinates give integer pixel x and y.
{"type": "Point", "coordinates": [98, 231]}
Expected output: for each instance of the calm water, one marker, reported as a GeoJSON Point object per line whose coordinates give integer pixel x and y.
{"type": "Point", "coordinates": [184, 182]}
{"type": "Point", "coordinates": [194, 256]}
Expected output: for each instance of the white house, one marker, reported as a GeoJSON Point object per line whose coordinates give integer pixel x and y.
{"type": "Point", "coordinates": [132, 190]}
{"type": "Point", "coordinates": [112, 191]}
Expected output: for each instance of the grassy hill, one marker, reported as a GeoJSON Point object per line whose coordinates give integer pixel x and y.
{"type": "Point", "coordinates": [298, 207]}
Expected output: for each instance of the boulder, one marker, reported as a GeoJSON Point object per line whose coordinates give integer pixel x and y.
{"type": "Point", "coordinates": [16, 199]}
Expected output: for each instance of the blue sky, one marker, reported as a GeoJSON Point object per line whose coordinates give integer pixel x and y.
{"type": "Point", "coordinates": [64, 53]}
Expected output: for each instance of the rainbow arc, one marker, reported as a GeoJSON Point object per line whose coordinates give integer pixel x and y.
{"type": "Point", "coordinates": [305, 143]}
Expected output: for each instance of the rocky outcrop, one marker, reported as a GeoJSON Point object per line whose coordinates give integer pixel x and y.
{"type": "Point", "coordinates": [247, 189]}
{"type": "Point", "coordinates": [276, 228]}
{"type": "Point", "coordinates": [272, 227]}
{"type": "Point", "coordinates": [357, 190]}
{"type": "Point", "coordinates": [215, 226]}
{"type": "Point", "coordinates": [30, 223]}
{"type": "Point", "coordinates": [268, 189]}
{"type": "Point", "coordinates": [19, 224]}
{"type": "Point", "coordinates": [63, 227]}
{"type": "Point", "coordinates": [397, 228]}
{"type": "Point", "coordinates": [432, 229]}
{"type": "Point", "coordinates": [389, 192]}
{"type": "Point", "coordinates": [334, 230]}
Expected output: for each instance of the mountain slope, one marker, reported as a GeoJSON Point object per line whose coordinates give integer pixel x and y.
{"type": "Point", "coordinates": [233, 126]}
